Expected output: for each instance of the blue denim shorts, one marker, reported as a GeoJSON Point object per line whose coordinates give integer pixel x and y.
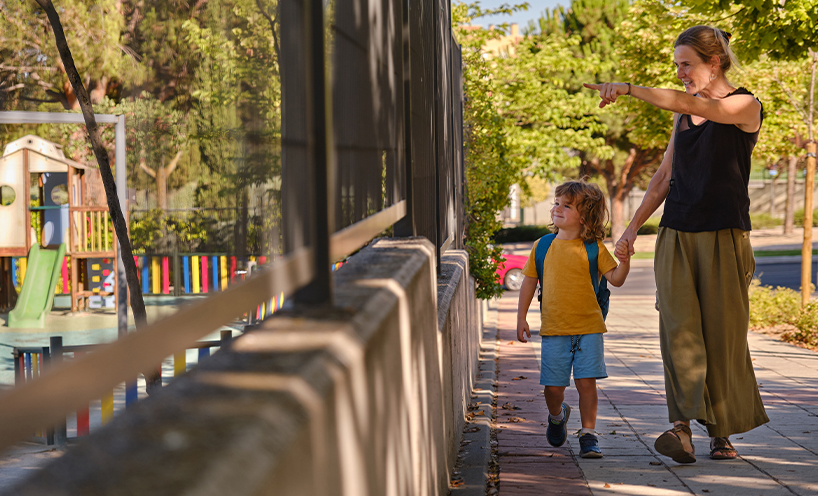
{"type": "Point", "coordinates": [584, 353]}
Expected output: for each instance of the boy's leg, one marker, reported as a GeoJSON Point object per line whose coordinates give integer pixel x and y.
{"type": "Point", "coordinates": [588, 401]}
{"type": "Point", "coordinates": [554, 396]}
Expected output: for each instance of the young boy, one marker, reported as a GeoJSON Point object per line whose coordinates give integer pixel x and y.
{"type": "Point", "coordinates": [572, 321]}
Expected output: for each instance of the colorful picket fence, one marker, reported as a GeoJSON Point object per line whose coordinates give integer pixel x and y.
{"type": "Point", "coordinates": [29, 363]}
{"type": "Point", "coordinates": [194, 273]}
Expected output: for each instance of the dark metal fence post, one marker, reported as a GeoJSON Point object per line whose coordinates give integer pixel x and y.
{"type": "Point", "coordinates": [225, 337]}
{"type": "Point", "coordinates": [60, 433]}
{"type": "Point", "coordinates": [437, 90]}
{"type": "Point", "coordinates": [406, 226]}
{"type": "Point", "coordinates": [177, 275]}
{"type": "Point", "coordinates": [19, 378]}
{"type": "Point", "coordinates": [49, 433]}
{"type": "Point", "coordinates": [319, 291]}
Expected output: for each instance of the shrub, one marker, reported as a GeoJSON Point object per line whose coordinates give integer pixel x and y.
{"type": "Point", "coordinates": [520, 234]}
{"type": "Point", "coordinates": [798, 217]}
{"type": "Point", "coordinates": [651, 226]}
{"type": "Point", "coordinates": [765, 221]}
{"type": "Point", "coordinates": [769, 307]}
{"type": "Point", "coordinates": [807, 326]}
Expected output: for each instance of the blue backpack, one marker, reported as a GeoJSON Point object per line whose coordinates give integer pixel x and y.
{"type": "Point", "coordinates": [603, 294]}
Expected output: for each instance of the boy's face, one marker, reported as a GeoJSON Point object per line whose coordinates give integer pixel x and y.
{"type": "Point", "coordinates": [564, 214]}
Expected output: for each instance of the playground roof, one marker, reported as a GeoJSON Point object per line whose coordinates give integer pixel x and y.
{"type": "Point", "coordinates": [45, 148]}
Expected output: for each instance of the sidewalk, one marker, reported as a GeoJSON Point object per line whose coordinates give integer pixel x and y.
{"type": "Point", "coordinates": [780, 458]}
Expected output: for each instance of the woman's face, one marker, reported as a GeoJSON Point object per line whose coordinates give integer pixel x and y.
{"type": "Point", "coordinates": [691, 69]}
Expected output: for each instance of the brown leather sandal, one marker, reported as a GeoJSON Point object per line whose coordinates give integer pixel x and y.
{"type": "Point", "coordinates": [670, 444]}
{"type": "Point", "coordinates": [722, 449]}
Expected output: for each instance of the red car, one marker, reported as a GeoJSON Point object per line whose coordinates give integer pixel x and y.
{"type": "Point", "coordinates": [510, 272]}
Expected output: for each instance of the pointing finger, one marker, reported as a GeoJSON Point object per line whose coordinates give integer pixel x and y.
{"type": "Point", "coordinates": [592, 86]}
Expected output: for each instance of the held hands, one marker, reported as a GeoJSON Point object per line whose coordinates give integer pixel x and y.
{"type": "Point", "coordinates": [609, 91]}
{"type": "Point", "coordinates": [622, 251]}
{"type": "Point", "coordinates": [523, 331]}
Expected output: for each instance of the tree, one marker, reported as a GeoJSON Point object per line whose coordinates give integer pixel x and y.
{"type": "Point", "coordinates": [632, 162]}
{"type": "Point", "coordinates": [782, 134]}
{"type": "Point", "coordinates": [489, 171]}
{"type": "Point", "coordinates": [782, 31]}
{"type": "Point", "coordinates": [31, 70]}
{"type": "Point", "coordinates": [121, 229]}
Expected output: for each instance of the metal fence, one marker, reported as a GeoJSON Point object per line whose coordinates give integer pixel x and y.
{"type": "Point", "coordinates": [371, 140]}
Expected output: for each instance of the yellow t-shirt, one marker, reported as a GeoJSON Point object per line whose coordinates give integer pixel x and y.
{"type": "Point", "coordinates": [569, 304]}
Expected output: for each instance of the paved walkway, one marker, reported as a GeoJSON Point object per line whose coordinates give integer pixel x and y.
{"type": "Point", "coordinates": [780, 458]}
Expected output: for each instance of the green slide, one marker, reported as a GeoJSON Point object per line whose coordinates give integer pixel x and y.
{"type": "Point", "coordinates": [37, 295]}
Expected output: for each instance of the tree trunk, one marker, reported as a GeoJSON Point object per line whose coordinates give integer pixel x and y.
{"type": "Point", "coordinates": [118, 220]}
{"type": "Point", "coordinates": [772, 195]}
{"type": "Point", "coordinates": [617, 217]}
{"type": "Point", "coordinates": [789, 212]}
{"type": "Point", "coordinates": [161, 188]}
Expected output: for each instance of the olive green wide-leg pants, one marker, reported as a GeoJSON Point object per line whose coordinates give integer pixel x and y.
{"type": "Point", "coordinates": [702, 281]}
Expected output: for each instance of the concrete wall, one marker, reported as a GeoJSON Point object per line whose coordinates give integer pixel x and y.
{"type": "Point", "coordinates": [364, 399]}
{"type": "Point", "coordinates": [460, 325]}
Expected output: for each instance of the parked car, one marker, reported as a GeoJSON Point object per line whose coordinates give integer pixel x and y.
{"type": "Point", "coordinates": [510, 272]}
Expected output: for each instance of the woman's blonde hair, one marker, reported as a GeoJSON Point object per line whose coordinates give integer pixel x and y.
{"type": "Point", "coordinates": [591, 205]}
{"type": "Point", "coordinates": [708, 42]}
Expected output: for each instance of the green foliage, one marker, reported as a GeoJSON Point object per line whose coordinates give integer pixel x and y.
{"type": "Point", "coordinates": [773, 307]}
{"type": "Point", "coordinates": [651, 226]}
{"type": "Point", "coordinates": [146, 230]}
{"type": "Point", "coordinates": [766, 221]}
{"type": "Point", "coordinates": [548, 115]}
{"type": "Point", "coordinates": [769, 307]}
{"type": "Point", "coordinates": [520, 234]}
{"type": "Point", "coordinates": [489, 172]}
{"type": "Point", "coordinates": [798, 217]}
{"type": "Point", "coordinates": [784, 30]}
{"type": "Point", "coordinates": [806, 325]}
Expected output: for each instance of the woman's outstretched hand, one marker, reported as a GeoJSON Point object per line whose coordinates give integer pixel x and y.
{"type": "Point", "coordinates": [608, 91]}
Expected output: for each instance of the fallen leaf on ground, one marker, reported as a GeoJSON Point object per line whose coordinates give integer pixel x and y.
{"type": "Point", "coordinates": [511, 342]}
{"type": "Point", "coordinates": [655, 463]}
{"type": "Point", "coordinates": [457, 483]}
{"type": "Point", "coordinates": [515, 420]}
{"type": "Point", "coordinates": [519, 378]}
{"type": "Point", "coordinates": [471, 429]}
{"type": "Point", "coordinates": [509, 406]}
{"type": "Point", "coordinates": [607, 485]}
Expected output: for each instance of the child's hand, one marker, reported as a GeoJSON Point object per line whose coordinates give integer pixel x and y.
{"type": "Point", "coordinates": [622, 251]}
{"type": "Point", "coordinates": [523, 331]}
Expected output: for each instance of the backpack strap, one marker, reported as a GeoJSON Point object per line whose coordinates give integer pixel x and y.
{"type": "Point", "coordinates": [601, 290]}
{"type": "Point", "coordinates": [539, 258]}
{"type": "Point", "coordinates": [593, 257]}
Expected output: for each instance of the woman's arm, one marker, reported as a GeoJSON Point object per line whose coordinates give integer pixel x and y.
{"type": "Point", "coordinates": [658, 189]}
{"type": "Point", "coordinates": [742, 110]}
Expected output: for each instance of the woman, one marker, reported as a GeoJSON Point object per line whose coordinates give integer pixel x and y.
{"type": "Point", "coordinates": [704, 262]}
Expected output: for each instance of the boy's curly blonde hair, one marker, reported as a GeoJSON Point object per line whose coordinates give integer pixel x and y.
{"type": "Point", "coordinates": [591, 205]}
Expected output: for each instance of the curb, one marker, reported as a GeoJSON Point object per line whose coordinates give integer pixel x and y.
{"type": "Point", "coordinates": [475, 447]}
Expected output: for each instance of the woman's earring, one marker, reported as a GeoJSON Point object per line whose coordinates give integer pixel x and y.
{"type": "Point", "coordinates": [712, 76]}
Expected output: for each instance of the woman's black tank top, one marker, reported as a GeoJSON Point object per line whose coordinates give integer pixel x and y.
{"type": "Point", "coordinates": [711, 170]}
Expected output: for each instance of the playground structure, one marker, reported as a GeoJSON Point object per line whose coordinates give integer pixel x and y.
{"type": "Point", "coordinates": [73, 216]}
{"type": "Point", "coordinates": [75, 219]}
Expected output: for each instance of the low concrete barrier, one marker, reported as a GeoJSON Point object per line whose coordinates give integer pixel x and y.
{"type": "Point", "coordinates": [366, 398]}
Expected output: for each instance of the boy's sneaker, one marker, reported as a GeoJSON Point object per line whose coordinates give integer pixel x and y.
{"type": "Point", "coordinates": [589, 446]}
{"type": "Point", "coordinates": [557, 432]}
